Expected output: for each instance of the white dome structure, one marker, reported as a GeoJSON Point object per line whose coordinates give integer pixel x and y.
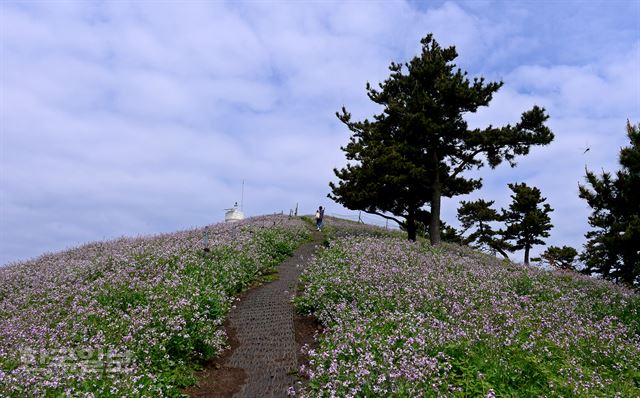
{"type": "Point", "coordinates": [233, 214]}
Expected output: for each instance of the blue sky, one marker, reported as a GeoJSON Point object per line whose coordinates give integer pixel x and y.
{"type": "Point", "coordinates": [126, 118]}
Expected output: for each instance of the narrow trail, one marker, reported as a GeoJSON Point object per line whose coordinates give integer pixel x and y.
{"type": "Point", "coordinates": [265, 343]}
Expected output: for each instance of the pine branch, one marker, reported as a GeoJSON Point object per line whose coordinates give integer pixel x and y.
{"type": "Point", "coordinates": [386, 216]}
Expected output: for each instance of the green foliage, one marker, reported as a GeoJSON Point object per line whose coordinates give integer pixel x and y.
{"type": "Point", "coordinates": [523, 285]}
{"type": "Point", "coordinates": [560, 257]}
{"type": "Point", "coordinates": [612, 247]}
{"type": "Point", "coordinates": [273, 247]}
{"type": "Point", "coordinates": [450, 234]}
{"type": "Point", "coordinates": [480, 215]}
{"type": "Point", "coordinates": [526, 222]}
{"type": "Point", "coordinates": [122, 298]}
{"type": "Point", "coordinates": [416, 150]}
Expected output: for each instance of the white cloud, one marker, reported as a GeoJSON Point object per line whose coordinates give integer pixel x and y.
{"type": "Point", "coordinates": [122, 118]}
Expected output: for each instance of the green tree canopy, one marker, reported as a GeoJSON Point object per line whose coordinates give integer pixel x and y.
{"type": "Point", "coordinates": [525, 221]}
{"type": "Point", "coordinates": [613, 247]}
{"type": "Point", "coordinates": [559, 257]}
{"type": "Point", "coordinates": [477, 217]}
{"type": "Point", "coordinates": [418, 148]}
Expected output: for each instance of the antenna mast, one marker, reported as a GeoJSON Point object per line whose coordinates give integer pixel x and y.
{"type": "Point", "coordinates": [242, 197]}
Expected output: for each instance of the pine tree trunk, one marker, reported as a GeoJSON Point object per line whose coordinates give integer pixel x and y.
{"type": "Point", "coordinates": [411, 227]}
{"type": "Point", "coordinates": [434, 224]}
{"type": "Point", "coordinates": [526, 255]}
{"type": "Point", "coordinates": [628, 259]}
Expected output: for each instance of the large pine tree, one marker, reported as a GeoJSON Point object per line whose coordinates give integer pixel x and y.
{"type": "Point", "coordinates": [417, 149]}
{"type": "Point", "coordinates": [526, 222]}
{"type": "Point", "coordinates": [613, 247]}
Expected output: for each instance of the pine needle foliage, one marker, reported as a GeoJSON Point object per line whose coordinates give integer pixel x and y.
{"type": "Point", "coordinates": [613, 246]}
{"type": "Point", "coordinates": [418, 148]}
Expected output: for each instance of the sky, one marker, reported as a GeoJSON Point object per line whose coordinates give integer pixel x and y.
{"type": "Point", "coordinates": [128, 118]}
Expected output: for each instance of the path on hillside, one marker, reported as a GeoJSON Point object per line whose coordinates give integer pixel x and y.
{"type": "Point", "coordinates": [265, 345]}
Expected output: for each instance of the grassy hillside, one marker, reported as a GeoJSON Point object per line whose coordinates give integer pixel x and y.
{"type": "Point", "coordinates": [409, 320]}
{"type": "Point", "coordinates": [131, 317]}
{"type": "Point", "coordinates": [134, 317]}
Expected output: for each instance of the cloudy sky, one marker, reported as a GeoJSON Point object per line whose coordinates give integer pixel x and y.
{"type": "Point", "coordinates": [125, 118]}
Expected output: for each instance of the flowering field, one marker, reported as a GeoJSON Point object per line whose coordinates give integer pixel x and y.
{"type": "Point", "coordinates": [131, 317]}
{"type": "Point", "coordinates": [409, 320]}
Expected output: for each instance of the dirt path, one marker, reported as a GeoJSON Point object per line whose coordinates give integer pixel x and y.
{"type": "Point", "coordinates": [265, 340]}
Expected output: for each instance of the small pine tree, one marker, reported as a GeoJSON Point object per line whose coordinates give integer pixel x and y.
{"type": "Point", "coordinates": [613, 247]}
{"type": "Point", "coordinates": [560, 257]}
{"type": "Point", "coordinates": [526, 222]}
{"type": "Point", "coordinates": [480, 215]}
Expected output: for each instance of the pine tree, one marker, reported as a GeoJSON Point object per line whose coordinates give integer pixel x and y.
{"type": "Point", "coordinates": [450, 234]}
{"type": "Point", "coordinates": [480, 215]}
{"type": "Point", "coordinates": [525, 222]}
{"type": "Point", "coordinates": [559, 257]}
{"type": "Point", "coordinates": [416, 150]}
{"type": "Point", "coordinates": [613, 247]}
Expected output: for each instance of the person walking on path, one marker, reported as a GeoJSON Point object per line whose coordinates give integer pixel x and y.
{"type": "Point", "coordinates": [319, 217]}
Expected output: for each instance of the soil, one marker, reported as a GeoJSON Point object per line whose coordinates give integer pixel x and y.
{"type": "Point", "coordinates": [306, 328]}
{"type": "Point", "coordinates": [218, 380]}
{"type": "Point", "coordinates": [265, 338]}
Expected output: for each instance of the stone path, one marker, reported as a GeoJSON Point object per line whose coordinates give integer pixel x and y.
{"type": "Point", "coordinates": [263, 357]}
